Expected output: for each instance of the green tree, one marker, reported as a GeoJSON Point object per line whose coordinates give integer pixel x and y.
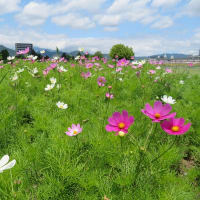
{"type": "Point", "coordinates": [99, 54]}
{"type": "Point", "coordinates": [121, 51]}
{"type": "Point", "coordinates": [4, 54]}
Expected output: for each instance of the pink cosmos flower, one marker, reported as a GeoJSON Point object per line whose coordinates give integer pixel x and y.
{"type": "Point", "coordinates": [175, 126]}
{"type": "Point", "coordinates": [72, 65]}
{"type": "Point", "coordinates": [118, 69]}
{"type": "Point", "coordinates": [89, 65]}
{"type": "Point", "coordinates": [1, 66]}
{"type": "Point", "coordinates": [134, 67]}
{"type": "Point", "coordinates": [122, 62]}
{"type": "Point", "coordinates": [109, 96]}
{"type": "Point", "coordinates": [119, 122]}
{"type": "Point", "coordinates": [74, 130]}
{"type": "Point", "coordinates": [152, 71]}
{"type": "Point", "coordinates": [132, 57]}
{"type": "Point", "coordinates": [86, 75]}
{"type": "Point", "coordinates": [168, 70]}
{"type": "Point", "coordinates": [159, 112]}
{"type": "Point", "coordinates": [101, 81]}
{"type": "Point", "coordinates": [111, 66]}
{"type": "Point", "coordinates": [23, 51]}
{"type": "Point", "coordinates": [190, 64]}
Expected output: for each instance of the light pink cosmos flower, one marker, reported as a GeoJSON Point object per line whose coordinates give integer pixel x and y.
{"type": "Point", "coordinates": [152, 71]}
{"type": "Point", "coordinates": [119, 122]}
{"type": "Point", "coordinates": [89, 65]}
{"type": "Point", "coordinates": [23, 51]}
{"type": "Point", "coordinates": [109, 96]}
{"type": "Point", "coordinates": [118, 69]}
{"type": "Point", "coordinates": [111, 66]}
{"type": "Point", "coordinates": [1, 66]}
{"type": "Point", "coordinates": [175, 126]}
{"type": "Point", "coordinates": [101, 81]}
{"type": "Point", "coordinates": [74, 130]}
{"type": "Point", "coordinates": [168, 70]}
{"type": "Point", "coordinates": [86, 75]}
{"type": "Point", "coordinates": [159, 112]}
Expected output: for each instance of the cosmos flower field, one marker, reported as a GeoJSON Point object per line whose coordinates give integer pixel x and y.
{"type": "Point", "coordinates": [99, 129]}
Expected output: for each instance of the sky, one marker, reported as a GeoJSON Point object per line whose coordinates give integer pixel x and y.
{"type": "Point", "coordinates": [148, 26]}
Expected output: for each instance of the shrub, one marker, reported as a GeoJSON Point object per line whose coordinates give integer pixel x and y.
{"type": "Point", "coordinates": [121, 51]}
{"type": "Point", "coordinates": [99, 54]}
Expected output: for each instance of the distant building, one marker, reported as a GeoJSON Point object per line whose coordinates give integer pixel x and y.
{"type": "Point", "coordinates": [23, 46]}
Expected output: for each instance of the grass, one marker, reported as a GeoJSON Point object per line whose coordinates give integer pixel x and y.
{"type": "Point", "coordinates": [51, 165]}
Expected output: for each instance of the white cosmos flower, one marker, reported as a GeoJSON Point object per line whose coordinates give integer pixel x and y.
{"type": "Point", "coordinates": [30, 56]}
{"type": "Point", "coordinates": [158, 67]}
{"type": "Point", "coordinates": [168, 99]}
{"type": "Point", "coordinates": [49, 87]}
{"type": "Point", "coordinates": [10, 57]}
{"type": "Point", "coordinates": [42, 52]}
{"type": "Point", "coordinates": [62, 69]}
{"type": "Point", "coordinates": [77, 58]}
{"type": "Point", "coordinates": [4, 163]}
{"type": "Point", "coordinates": [120, 79]}
{"type": "Point", "coordinates": [55, 58]}
{"type": "Point", "coordinates": [15, 77]}
{"type": "Point", "coordinates": [34, 58]}
{"type": "Point", "coordinates": [35, 70]}
{"type": "Point", "coordinates": [20, 70]}
{"type": "Point", "coordinates": [53, 80]}
{"type": "Point", "coordinates": [181, 82]}
{"type": "Point", "coordinates": [62, 105]}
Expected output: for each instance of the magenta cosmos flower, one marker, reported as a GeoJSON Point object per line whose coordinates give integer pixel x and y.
{"type": "Point", "coordinates": [175, 126]}
{"type": "Point", "coordinates": [159, 112]}
{"type": "Point", "coordinates": [74, 130]}
{"type": "Point", "coordinates": [119, 122]}
{"type": "Point", "coordinates": [101, 81]}
{"type": "Point", "coordinates": [109, 96]}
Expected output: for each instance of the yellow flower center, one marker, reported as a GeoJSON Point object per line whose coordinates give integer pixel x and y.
{"type": "Point", "coordinates": [61, 106]}
{"type": "Point", "coordinates": [75, 132]}
{"type": "Point", "coordinates": [175, 128]}
{"type": "Point", "coordinates": [121, 125]}
{"type": "Point", "coordinates": [157, 115]}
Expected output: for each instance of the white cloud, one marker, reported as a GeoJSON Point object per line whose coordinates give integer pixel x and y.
{"type": "Point", "coordinates": [108, 20]}
{"type": "Point", "coordinates": [74, 20]}
{"type": "Point", "coordinates": [133, 11]}
{"type": "Point", "coordinates": [69, 5]}
{"type": "Point", "coordinates": [7, 6]}
{"type": "Point", "coordinates": [163, 22]}
{"type": "Point", "coordinates": [193, 8]}
{"type": "Point", "coordinates": [111, 28]}
{"type": "Point", "coordinates": [164, 3]}
{"type": "Point", "coordinates": [141, 45]}
{"type": "Point", "coordinates": [34, 13]}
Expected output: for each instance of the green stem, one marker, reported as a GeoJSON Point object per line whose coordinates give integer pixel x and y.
{"type": "Point", "coordinates": [141, 159]}
{"type": "Point", "coordinates": [162, 154]}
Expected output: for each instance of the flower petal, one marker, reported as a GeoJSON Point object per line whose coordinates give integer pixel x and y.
{"type": "Point", "coordinates": [4, 160]}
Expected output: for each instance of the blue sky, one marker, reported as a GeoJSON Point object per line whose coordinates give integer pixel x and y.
{"type": "Point", "coordinates": [148, 26]}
